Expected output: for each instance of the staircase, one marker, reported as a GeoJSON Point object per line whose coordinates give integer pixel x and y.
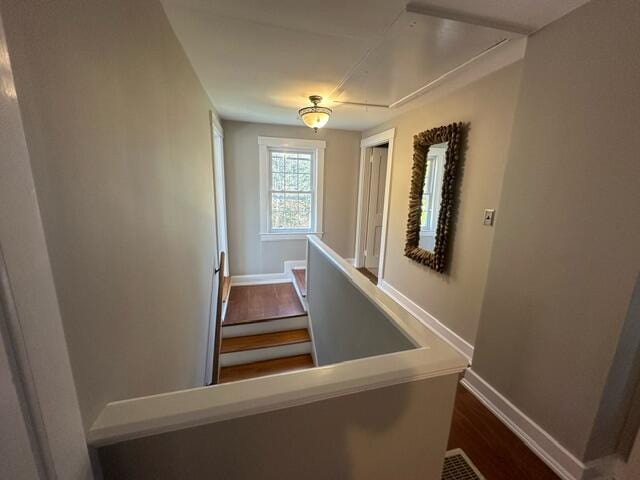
{"type": "Point", "coordinates": [300, 282]}
{"type": "Point", "coordinates": [254, 348]}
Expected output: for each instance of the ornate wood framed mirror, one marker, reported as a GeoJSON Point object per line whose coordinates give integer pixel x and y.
{"type": "Point", "coordinates": [436, 154]}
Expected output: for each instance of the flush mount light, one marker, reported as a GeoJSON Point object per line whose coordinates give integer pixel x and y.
{"type": "Point", "coordinates": [315, 117]}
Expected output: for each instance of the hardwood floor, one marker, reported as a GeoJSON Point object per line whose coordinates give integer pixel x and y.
{"type": "Point", "coordinates": [266, 367]}
{"type": "Point", "coordinates": [262, 302]}
{"type": "Point", "coordinates": [264, 340]}
{"type": "Point", "coordinates": [367, 273]}
{"type": "Point", "coordinates": [497, 452]}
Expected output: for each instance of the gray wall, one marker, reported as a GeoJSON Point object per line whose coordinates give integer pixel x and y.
{"type": "Point", "coordinates": [487, 105]}
{"type": "Point", "coordinates": [382, 434]}
{"type": "Point", "coordinates": [349, 326]}
{"type": "Point", "coordinates": [118, 131]}
{"type": "Point", "coordinates": [247, 253]}
{"type": "Point", "coordinates": [565, 253]}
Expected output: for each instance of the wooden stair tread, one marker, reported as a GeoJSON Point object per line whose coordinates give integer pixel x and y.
{"type": "Point", "coordinates": [299, 276]}
{"type": "Point", "coordinates": [264, 340]}
{"type": "Point", "coordinates": [265, 367]}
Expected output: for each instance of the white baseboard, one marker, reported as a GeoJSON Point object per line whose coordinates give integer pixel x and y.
{"type": "Point", "coordinates": [294, 264]}
{"type": "Point", "coordinates": [444, 332]}
{"type": "Point", "coordinates": [550, 451]}
{"type": "Point", "coordinates": [260, 279]}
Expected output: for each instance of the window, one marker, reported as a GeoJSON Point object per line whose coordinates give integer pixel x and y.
{"type": "Point", "coordinates": [427, 220]}
{"type": "Point", "coordinates": [291, 188]}
{"type": "Point", "coordinates": [431, 191]}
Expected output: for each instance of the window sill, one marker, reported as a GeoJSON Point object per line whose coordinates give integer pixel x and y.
{"type": "Point", "coordinates": [277, 237]}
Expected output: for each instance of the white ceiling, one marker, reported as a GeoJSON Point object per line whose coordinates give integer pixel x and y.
{"type": "Point", "coordinates": [260, 59]}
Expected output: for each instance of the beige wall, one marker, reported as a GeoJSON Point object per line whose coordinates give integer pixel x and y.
{"type": "Point", "coordinates": [247, 253]}
{"type": "Point", "coordinates": [566, 249]}
{"type": "Point", "coordinates": [487, 106]}
{"type": "Point", "coordinates": [118, 131]}
{"type": "Point", "coordinates": [381, 434]}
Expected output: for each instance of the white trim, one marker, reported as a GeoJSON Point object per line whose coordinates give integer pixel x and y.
{"type": "Point", "coordinates": [267, 353]}
{"type": "Point", "coordinates": [266, 278]}
{"type": "Point", "coordinates": [550, 451]}
{"type": "Point", "coordinates": [383, 137]}
{"type": "Point", "coordinates": [278, 237]}
{"type": "Point", "coordinates": [378, 138]}
{"type": "Point", "coordinates": [294, 265]}
{"type": "Point", "coordinates": [256, 328]}
{"type": "Point", "coordinates": [277, 142]}
{"type": "Point", "coordinates": [220, 192]}
{"type": "Point", "coordinates": [317, 147]}
{"type": "Point", "coordinates": [166, 412]}
{"type": "Point", "coordinates": [260, 279]}
{"type": "Point", "coordinates": [444, 332]}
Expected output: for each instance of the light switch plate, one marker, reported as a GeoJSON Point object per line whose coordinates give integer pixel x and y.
{"type": "Point", "coordinates": [489, 214]}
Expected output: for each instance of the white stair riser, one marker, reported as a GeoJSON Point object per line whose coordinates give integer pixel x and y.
{"type": "Point", "coordinates": [259, 354]}
{"type": "Point", "coordinates": [268, 326]}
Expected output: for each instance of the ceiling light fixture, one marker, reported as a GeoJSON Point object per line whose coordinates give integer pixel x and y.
{"type": "Point", "coordinates": [315, 117]}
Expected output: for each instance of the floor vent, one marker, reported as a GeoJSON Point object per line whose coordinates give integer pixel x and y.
{"type": "Point", "coordinates": [457, 466]}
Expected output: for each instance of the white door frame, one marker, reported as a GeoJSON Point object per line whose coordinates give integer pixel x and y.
{"type": "Point", "coordinates": [382, 138]}
{"type": "Point", "coordinates": [220, 193]}
{"type": "Point", "coordinates": [220, 210]}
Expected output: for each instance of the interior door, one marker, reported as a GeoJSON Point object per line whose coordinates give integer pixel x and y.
{"type": "Point", "coordinates": [377, 179]}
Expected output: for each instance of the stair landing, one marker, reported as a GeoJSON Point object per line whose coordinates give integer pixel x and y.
{"type": "Point", "coordinates": [252, 303]}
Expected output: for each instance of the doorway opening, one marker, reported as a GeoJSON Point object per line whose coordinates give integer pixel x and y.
{"type": "Point", "coordinates": [376, 156]}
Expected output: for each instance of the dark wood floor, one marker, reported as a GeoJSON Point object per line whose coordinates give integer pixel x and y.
{"type": "Point", "coordinates": [497, 452]}
{"type": "Point", "coordinates": [367, 273]}
{"type": "Point", "coordinates": [262, 302]}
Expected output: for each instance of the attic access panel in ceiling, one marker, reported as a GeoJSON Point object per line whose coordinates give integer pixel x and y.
{"type": "Point", "coordinates": [416, 51]}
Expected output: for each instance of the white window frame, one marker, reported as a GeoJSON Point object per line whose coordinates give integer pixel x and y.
{"type": "Point", "coordinates": [316, 147]}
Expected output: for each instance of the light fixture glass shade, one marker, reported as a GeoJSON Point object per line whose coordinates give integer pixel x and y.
{"type": "Point", "coordinates": [315, 117]}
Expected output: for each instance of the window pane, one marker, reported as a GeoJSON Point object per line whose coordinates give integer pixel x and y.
{"type": "Point", "coordinates": [277, 181]}
{"type": "Point", "coordinates": [277, 162]}
{"type": "Point", "coordinates": [291, 211]}
{"type": "Point", "coordinates": [304, 182]}
{"type": "Point", "coordinates": [291, 173]}
{"type": "Point", "coordinates": [304, 166]}
{"type": "Point", "coordinates": [291, 164]}
{"type": "Point", "coordinates": [290, 182]}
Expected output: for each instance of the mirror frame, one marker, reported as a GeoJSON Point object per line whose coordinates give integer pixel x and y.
{"type": "Point", "coordinates": [421, 143]}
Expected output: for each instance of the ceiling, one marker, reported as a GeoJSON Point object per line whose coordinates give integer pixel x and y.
{"type": "Point", "coordinates": [259, 60]}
